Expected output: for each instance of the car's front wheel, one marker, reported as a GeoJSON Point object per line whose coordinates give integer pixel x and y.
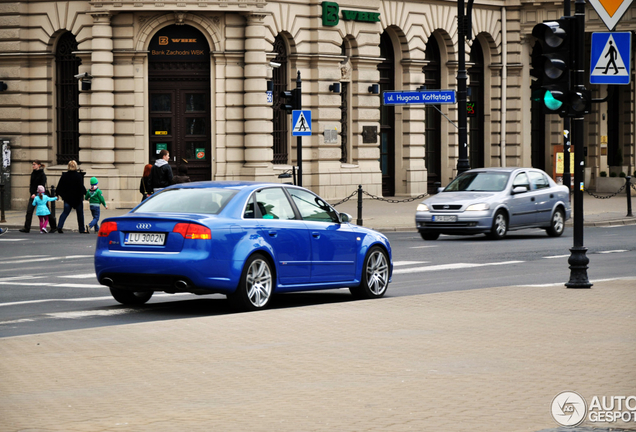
{"type": "Point", "coordinates": [557, 224]}
{"type": "Point", "coordinates": [429, 235]}
{"type": "Point", "coordinates": [375, 275]}
{"type": "Point", "coordinates": [499, 226]}
{"type": "Point", "coordinates": [133, 298]}
{"type": "Point", "coordinates": [256, 285]}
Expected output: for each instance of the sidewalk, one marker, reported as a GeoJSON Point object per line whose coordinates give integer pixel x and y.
{"type": "Point", "coordinates": [478, 360]}
{"type": "Point", "coordinates": [380, 215]}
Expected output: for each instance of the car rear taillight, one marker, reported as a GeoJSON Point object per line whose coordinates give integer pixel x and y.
{"type": "Point", "coordinates": [107, 228]}
{"type": "Point", "coordinates": [193, 231]}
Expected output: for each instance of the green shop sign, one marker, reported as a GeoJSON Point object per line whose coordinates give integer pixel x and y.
{"type": "Point", "coordinates": [331, 15]}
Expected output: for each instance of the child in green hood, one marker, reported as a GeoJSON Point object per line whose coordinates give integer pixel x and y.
{"type": "Point", "coordinates": [95, 198]}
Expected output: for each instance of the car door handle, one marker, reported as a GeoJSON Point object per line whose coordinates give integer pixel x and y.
{"type": "Point", "coordinates": [315, 235]}
{"type": "Point", "coordinates": [272, 233]}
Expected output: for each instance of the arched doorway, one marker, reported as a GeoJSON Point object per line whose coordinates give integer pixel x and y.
{"type": "Point", "coordinates": [387, 117]}
{"type": "Point", "coordinates": [279, 116]}
{"type": "Point", "coordinates": [476, 107]}
{"type": "Point", "coordinates": [179, 99]}
{"type": "Point", "coordinates": [433, 119]}
{"type": "Point", "coordinates": [67, 104]}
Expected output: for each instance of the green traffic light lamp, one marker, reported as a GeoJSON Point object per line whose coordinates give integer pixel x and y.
{"type": "Point", "coordinates": [551, 102]}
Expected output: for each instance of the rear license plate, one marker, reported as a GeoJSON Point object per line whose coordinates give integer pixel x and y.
{"type": "Point", "coordinates": [445, 218]}
{"type": "Point", "coordinates": [145, 238]}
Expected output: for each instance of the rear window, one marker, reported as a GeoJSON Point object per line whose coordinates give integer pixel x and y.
{"type": "Point", "coordinates": [187, 200]}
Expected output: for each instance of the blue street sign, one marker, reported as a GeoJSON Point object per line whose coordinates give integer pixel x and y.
{"type": "Point", "coordinates": [610, 58]}
{"type": "Point", "coordinates": [434, 97]}
{"type": "Point", "coordinates": [301, 123]}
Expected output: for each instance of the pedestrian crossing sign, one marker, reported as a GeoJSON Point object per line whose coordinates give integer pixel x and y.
{"type": "Point", "coordinates": [301, 121]}
{"type": "Point", "coordinates": [611, 58]}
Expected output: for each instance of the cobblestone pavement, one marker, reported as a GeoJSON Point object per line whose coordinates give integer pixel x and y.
{"type": "Point", "coordinates": [479, 360]}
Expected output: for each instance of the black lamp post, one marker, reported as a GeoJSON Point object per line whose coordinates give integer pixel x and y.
{"type": "Point", "coordinates": [578, 260]}
{"type": "Point", "coordinates": [463, 31]}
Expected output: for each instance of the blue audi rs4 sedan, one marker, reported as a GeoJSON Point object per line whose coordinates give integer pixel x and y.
{"type": "Point", "coordinates": [247, 240]}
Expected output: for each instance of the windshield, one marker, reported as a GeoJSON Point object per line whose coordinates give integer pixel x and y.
{"type": "Point", "coordinates": [479, 181]}
{"type": "Point", "coordinates": [187, 200]}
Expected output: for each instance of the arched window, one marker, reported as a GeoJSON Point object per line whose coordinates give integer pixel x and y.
{"type": "Point", "coordinates": [345, 154]}
{"type": "Point", "coordinates": [387, 117]}
{"type": "Point", "coordinates": [476, 105]}
{"type": "Point", "coordinates": [279, 78]}
{"type": "Point", "coordinates": [67, 103]}
{"type": "Point", "coordinates": [433, 120]}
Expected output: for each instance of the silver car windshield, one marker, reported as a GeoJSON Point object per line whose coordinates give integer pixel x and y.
{"type": "Point", "coordinates": [480, 181]}
{"type": "Point", "coordinates": [187, 200]}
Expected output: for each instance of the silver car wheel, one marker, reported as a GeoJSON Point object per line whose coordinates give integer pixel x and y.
{"type": "Point", "coordinates": [259, 283]}
{"type": "Point", "coordinates": [499, 226]}
{"type": "Point", "coordinates": [557, 224]}
{"type": "Point", "coordinates": [377, 272]}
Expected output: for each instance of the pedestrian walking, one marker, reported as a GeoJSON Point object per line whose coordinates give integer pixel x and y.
{"type": "Point", "coordinates": [95, 198]}
{"type": "Point", "coordinates": [145, 186]}
{"type": "Point", "coordinates": [42, 209]}
{"type": "Point", "coordinates": [161, 173]}
{"type": "Point", "coordinates": [183, 175]}
{"type": "Point", "coordinates": [38, 177]}
{"type": "Point", "coordinates": [72, 190]}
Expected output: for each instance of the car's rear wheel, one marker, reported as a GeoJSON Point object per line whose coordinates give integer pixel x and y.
{"type": "Point", "coordinates": [128, 297]}
{"type": "Point", "coordinates": [557, 224]}
{"type": "Point", "coordinates": [499, 226]}
{"type": "Point", "coordinates": [256, 285]}
{"type": "Point", "coordinates": [375, 275]}
{"type": "Point", "coordinates": [429, 235]}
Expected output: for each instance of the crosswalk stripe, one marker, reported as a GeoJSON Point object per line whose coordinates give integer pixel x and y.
{"type": "Point", "coordinates": [454, 266]}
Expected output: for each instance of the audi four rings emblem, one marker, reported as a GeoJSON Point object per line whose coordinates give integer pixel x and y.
{"type": "Point", "coordinates": [143, 226]}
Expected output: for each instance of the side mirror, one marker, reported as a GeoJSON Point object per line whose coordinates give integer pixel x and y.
{"type": "Point", "coordinates": [519, 189]}
{"type": "Point", "coordinates": [440, 189]}
{"type": "Point", "coordinates": [345, 217]}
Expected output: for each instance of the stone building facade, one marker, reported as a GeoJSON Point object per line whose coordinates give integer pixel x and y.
{"type": "Point", "coordinates": [192, 76]}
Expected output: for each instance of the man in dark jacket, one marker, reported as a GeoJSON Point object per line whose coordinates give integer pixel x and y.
{"type": "Point", "coordinates": [161, 174]}
{"type": "Point", "coordinates": [38, 178]}
{"type": "Point", "coordinates": [72, 190]}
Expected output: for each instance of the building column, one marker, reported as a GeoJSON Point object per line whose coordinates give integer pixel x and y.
{"type": "Point", "coordinates": [102, 100]}
{"type": "Point", "coordinates": [258, 113]}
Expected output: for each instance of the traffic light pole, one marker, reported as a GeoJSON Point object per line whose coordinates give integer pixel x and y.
{"type": "Point", "coordinates": [567, 132]}
{"type": "Point", "coordinates": [299, 139]}
{"type": "Point", "coordinates": [578, 260]}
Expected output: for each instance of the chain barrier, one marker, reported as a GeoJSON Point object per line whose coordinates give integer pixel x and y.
{"type": "Point", "coordinates": [344, 200]}
{"type": "Point", "coordinates": [608, 196]}
{"type": "Point", "coordinates": [375, 197]}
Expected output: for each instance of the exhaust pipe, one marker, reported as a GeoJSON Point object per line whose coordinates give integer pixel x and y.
{"type": "Point", "coordinates": [107, 281]}
{"type": "Point", "coordinates": [181, 285]}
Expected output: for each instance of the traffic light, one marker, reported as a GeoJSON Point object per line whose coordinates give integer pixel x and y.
{"type": "Point", "coordinates": [557, 45]}
{"type": "Point", "coordinates": [579, 102]}
{"type": "Point", "coordinates": [291, 100]}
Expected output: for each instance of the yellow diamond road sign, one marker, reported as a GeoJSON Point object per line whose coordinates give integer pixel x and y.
{"type": "Point", "coordinates": [611, 11]}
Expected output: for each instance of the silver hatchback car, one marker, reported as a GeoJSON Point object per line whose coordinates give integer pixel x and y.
{"type": "Point", "coordinates": [493, 201]}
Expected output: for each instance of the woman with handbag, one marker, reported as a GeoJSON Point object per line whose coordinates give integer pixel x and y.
{"type": "Point", "coordinates": [145, 186]}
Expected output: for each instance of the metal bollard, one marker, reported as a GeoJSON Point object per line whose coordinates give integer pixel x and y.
{"type": "Point", "coordinates": [359, 220]}
{"type": "Point", "coordinates": [52, 220]}
{"type": "Point", "coordinates": [629, 195]}
{"type": "Point", "coordinates": [2, 219]}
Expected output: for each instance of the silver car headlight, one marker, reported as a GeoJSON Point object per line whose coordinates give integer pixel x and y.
{"type": "Point", "coordinates": [478, 207]}
{"type": "Point", "coordinates": [422, 207]}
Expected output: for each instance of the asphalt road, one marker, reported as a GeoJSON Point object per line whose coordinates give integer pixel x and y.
{"type": "Point", "coordinates": [47, 282]}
